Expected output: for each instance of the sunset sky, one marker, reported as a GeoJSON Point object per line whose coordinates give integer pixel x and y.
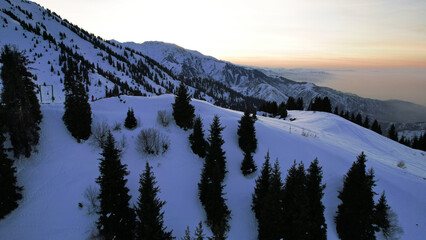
{"type": "Point", "coordinates": [332, 34]}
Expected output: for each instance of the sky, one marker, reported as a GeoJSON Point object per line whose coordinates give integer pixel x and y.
{"type": "Point", "coordinates": [327, 34]}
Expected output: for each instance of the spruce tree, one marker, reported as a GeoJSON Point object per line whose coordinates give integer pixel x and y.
{"type": "Point", "coordinates": [116, 218]}
{"type": "Point", "coordinates": [262, 186]}
{"type": "Point", "coordinates": [295, 204]}
{"type": "Point", "coordinates": [196, 138]}
{"type": "Point", "coordinates": [366, 123]}
{"type": "Point", "coordinates": [282, 110]}
{"type": "Point", "coordinates": [381, 217]}
{"type": "Point", "coordinates": [199, 232]}
{"type": "Point", "coordinates": [215, 153]}
{"type": "Point", "coordinates": [247, 165]}
{"type": "Point", "coordinates": [355, 215]}
{"type": "Point", "coordinates": [299, 104]}
{"type": "Point", "coordinates": [10, 192]}
{"type": "Point", "coordinates": [316, 226]}
{"type": "Point", "coordinates": [21, 106]}
{"type": "Point", "coordinates": [247, 133]}
{"type": "Point", "coordinates": [187, 235]}
{"type": "Point", "coordinates": [183, 111]}
{"type": "Point", "coordinates": [271, 220]}
{"type": "Point", "coordinates": [78, 114]}
{"type": "Point", "coordinates": [376, 127]}
{"type": "Point", "coordinates": [130, 122]}
{"type": "Point", "coordinates": [150, 223]}
{"type": "Point", "coordinates": [211, 184]}
{"type": "Point", "coordinates": [291, 103]}
{"type": "Point", "coordinates": [392, 134]}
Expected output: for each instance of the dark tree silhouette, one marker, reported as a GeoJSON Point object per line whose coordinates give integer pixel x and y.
{"type": "Point", "coordinates": [183, 111]}
{"type": "Point", "coordinates": [316, 226]}
{"type": "Point", "coordinates": [196, 138]}
{"type": "Point", "coordinates": [21, 106]}
{"type": "Point", "coordinates": [247, 133]}
{"type": "Point", "coordinates": [10, 192]}
{"type": "Point", "coordinates": [116, 218]}
{"type": "Point", "coordinates": [130, 122]}
{"type": "Point", "coordinates": [355, 215]}
{"type": "Point", "coordinates": [150, 223]}
{"type": "Point", "coordinates": [78, 114]}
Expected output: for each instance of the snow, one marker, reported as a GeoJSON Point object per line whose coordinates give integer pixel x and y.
{"type": "Point", "coordinates": [56, 177]}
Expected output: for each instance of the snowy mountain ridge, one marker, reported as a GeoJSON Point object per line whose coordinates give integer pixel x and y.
{"type": "Point", "coordinates": [266, 84]}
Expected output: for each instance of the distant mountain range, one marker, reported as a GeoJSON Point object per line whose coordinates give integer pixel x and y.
{"type": "Point", "coordinates": [269, 84]}
{"type": "Point", "coordinates": [153, 68]}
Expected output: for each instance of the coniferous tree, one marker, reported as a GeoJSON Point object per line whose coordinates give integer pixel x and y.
{"type": "Point", "coordinates": [78, 114]}
{"type": "Point", "coordinates": [316, 226]}
{"type": "Point", "coordinates": [291, 103]}
{"type": "Point", "coordinates": [247, 133]}
{"type": "Point", "coordinates": [10, 192]}
{"type": "Point", "coordinates": [355, 215]}
{"type": "Point", "coordinates": [381, 217]}
{"type": "Point", "coordinates": [271, 219]}
{"type": "Point", "coordinates": [295, 204]}
{"type": "Point", "coordinates": [336, 111]}
{"type": "Point", "coordinates": [150, 223]}
{"type": "Point", "coordinates": [211, 184]}
{"type": "Point", "coordinates": [196, 138]}
{"type": "Point", "coordinates": [187, 235]}
{"type": "Point", "coordinates": [116, 218]}
{"type": "Point", "coordinates": [199, 232]}
{"type": "Point", "coordinates": [299, 104]}
{"type": "Point", "coordinates": [366, 123]}
{"type": "Point", "coordinates": [130, 122]}
{"type": "Point", "coordinates": [183, 111]}
{"type": "Point", "coordinates": [247, 165]}
{"type": "Point", "coordinates": [282, 110]}
{"type": "Point", "coordinates": [262, 186]}
{"type": "Point", "coordinates": [358, 119]}
{"type": "Point", "coordinates": [392, 134]}
{"type": "Point", "coordinates": [21, 106]}
{"type": "Point", "coordinates": [376, 127]}
{"type": "Point", "coordinates": [215, 153]}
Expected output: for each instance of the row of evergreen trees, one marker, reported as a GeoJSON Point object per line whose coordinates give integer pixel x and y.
{"type": "Point", "coordinates": [281, 110]}
{"type": "Point", "coordinates": [210, 187]}
{"type": "Point", "coordinates": [117, 220]}
{"type": "Point", "coordinates": [290, 210]}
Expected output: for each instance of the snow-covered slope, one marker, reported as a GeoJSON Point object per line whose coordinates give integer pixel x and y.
{"type": "Point", "coordinates": [56, 177]}
{"type": "Point", "coordinates": [254, 82]}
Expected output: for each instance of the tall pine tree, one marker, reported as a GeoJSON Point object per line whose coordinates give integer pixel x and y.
{"type": "Point", "coordinates": [150, 223]}
{"type": "Point", "coordinates": [392, 133]}
{"type": "Point", "coordinates": [211, 184]}
{"type": "Point", "coordinates": [355, 215]}
{"type": "Point", "coordinates": [316, 226]}
{"type": "Point", "coordinates": [183, 111]}
{"type": "Point", "coordinates": [262, 186]}
{"type": "Point", "coordinates": [295, 204]}
{"type": "Point", "coordinates": [196, 138]}
{"type": "Point", "coordinates": [270, 219]}
{"type": "Point", "coordinates": [78, 114]}
{"type": "Point", "coordinates": [116, 218]}
{"type": "Point", "coordinates": [10, 192]}
{"type": "Point", "coordinates": [21, 106]}
{"type": "Point", "coordinates": [247, 133]}
{"type": "Point", "coordinates": [247, 165]}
